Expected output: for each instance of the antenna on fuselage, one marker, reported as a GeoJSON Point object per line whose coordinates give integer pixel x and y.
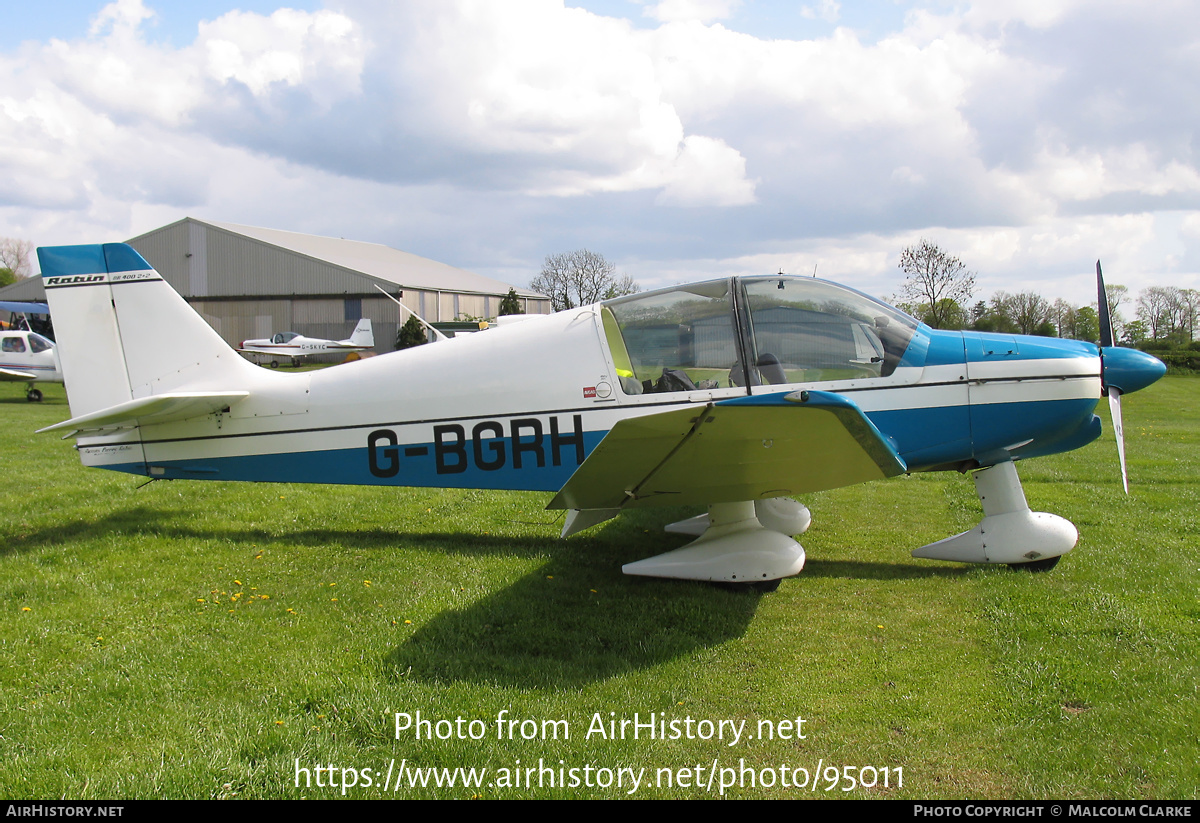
{"type": "Point", "coordinates": [420, 319]}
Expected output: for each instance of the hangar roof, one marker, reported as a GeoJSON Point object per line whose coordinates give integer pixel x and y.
{"type": "Point", "coordinates": [375, 260]}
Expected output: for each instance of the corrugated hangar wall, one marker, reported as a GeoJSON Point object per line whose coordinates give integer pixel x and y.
{"type": "Point", "coordinates": [248, 289]}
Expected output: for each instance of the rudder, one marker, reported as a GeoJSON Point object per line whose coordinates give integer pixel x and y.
{"type": "Point", "coordinates": [363, 335]}
{"type": "Point", "coordinates": [123, 332]}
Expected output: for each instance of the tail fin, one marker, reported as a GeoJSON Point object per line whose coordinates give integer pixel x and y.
{"type": "Point", "coordinates": [123, 333]}
{"type": "Point", "coordinates": [363, 336]}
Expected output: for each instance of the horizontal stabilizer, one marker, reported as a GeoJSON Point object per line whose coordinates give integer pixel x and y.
{"type": "Point", "coordinates": [162, 408]}
{"type": "Point", "coordinates": [743, 449]}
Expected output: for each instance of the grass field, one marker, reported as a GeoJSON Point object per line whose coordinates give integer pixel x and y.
{"type": "Point", "coordinates": [189, 639]}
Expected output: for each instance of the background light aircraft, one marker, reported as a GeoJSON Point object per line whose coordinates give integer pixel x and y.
{"type": "Point", "coordinates": [29, 357]}
{"type": "Point", "coordinates": [292, 345]}
{"type": "Point", "coordinates": [736, 394]}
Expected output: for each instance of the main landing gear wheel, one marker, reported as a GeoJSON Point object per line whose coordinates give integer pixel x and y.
{"type": "Point", "coordinates": [1036, 565]}
{"type": "Point", "coordinates": [762, 586]}
{"type": "Point", "coordinates": [735, 550]}
{"type": "Point", "coordinates": [274, 364]}
{"type": "Point", "coordinates": [34, 396]}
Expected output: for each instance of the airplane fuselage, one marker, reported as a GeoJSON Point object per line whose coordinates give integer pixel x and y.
{"type": "Point", "coordinates": [523, 407]}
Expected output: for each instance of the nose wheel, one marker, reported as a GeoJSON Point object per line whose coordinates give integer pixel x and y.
{"type": "Point", "coordinates": [1043, 565]}
{"type": "Point", "coordinates": [34, 395]}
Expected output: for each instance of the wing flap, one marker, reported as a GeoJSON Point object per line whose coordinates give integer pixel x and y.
{"type": "Point", "coordinates": [160, 408]}
{"type": "Point", "coordinates": [743, 449]}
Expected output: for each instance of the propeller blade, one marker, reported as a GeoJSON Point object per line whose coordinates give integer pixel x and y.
{"type": "Point", "coordinates": [1114, 408]}
{"type": "Point", "coordinates": [1106, 335]}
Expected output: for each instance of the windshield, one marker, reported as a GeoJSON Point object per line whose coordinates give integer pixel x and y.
{"type": "Point", "coordinates": [38, 343]}
{"type": "Point", "coordinates": [806, 330]}
{"type": "Point", "coordinates": [673, 340]}
{"type": "Point", "coordinates": [796, 330]}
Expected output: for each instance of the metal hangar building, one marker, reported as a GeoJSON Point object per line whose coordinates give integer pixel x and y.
{"type": "Point", "coordinates": [250, 282]}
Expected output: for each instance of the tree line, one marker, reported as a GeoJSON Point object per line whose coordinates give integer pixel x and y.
{"type": "Point", "coordinates": [938, 288]}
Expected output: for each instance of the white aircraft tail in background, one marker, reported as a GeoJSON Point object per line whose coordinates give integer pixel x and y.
{"type": "Point", "coordinates": [293, 345]}
{"type": "Point", "coordinates": [363, 336]}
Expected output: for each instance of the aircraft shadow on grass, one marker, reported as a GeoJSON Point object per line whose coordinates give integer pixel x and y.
{"type": "Point", "coordinates": [564, 625]}
{"type": "Point", "coordinates": [572, 621]}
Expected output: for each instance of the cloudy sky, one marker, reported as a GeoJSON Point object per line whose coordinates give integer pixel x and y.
{"type": "Point", "coordinates": [683, 139]}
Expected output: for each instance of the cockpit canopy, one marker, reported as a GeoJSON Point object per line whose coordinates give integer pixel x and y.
{"type": "Point", "coordinates": [752, 331]}
{"type": "Point", "coordinates": [284, 337]}
{"type": "Point", "coordinates": [15, 343]}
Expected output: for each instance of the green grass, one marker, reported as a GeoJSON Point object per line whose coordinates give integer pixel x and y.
{"type": "Point", "coordinates": [190, 639]}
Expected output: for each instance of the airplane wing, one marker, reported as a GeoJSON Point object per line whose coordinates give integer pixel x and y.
{"type": "Point", "coordinates": [157, 408]}
{"type": "Point", "coordinates": [24, 308]}
{"type": "Point", "coordinates": [10, 375]}
{"type": "Point", "coordinates": [742, 449]}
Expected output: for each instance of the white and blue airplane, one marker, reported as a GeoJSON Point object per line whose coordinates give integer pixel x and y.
{"type": "Point", "coordinates": [737, 394]}
{"type": "Point", "coordinates": [295, 346]}
{"type": "Point", "coordinates": [26, 356]}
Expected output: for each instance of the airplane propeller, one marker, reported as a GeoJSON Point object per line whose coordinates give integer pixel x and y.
{"type": "Point", "coordinates": [1114, 394]}
{"type": "Point", "coordinates": [1121, 370]}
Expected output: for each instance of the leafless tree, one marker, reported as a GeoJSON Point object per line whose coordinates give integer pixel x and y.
{"type": "Point", "coordinates": [933, 279]}
{"type": "Point", "coordinates": [1190, 299]}
{"type": "Point", "coordinates": [1024, 313]}
{"type": "Point", "coordinates": [580, 278]}
{"type": "Point", "coordinates": [1116, 294]}
{"type": "Point", "coordinates": [1159, 307]}
{"type": "Point", "coordinates": [1062, 315]}
{"type": "Point", "coordinates": [16, 255]}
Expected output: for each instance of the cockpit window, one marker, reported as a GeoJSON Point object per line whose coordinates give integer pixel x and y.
{"type": "Point", "coordinates": [673, 340]}
{"type": "Point", "coordinates": [284, 337]}
{"type": "Point", "coordinates": [38, 343]}
{"type": "Point", "coordinates": [797, 330]}
{"type": "Point", "coordinates": [13, 344]}
{"type": "Point", "coordinates": [804, 330]}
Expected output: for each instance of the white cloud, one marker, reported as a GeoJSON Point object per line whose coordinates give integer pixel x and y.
{"type": "Point", "coordinates": [1000, 126]}
{"type": "Point", "coordinates": [121, 19]}
{"type": "Point", "coordinates": [827, 10]}
{"type": "Point", "coordinates": [323, 51]}
{"type": "Point", "coordinates": [707, 173]}
{"type": "Point", "coordinates": [1083, 174]}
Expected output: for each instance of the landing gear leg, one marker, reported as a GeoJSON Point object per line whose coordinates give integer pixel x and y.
{"type": "Point", "coordinates": [779, 514]}
{"type": "Point", "coordinates": [734, 548]}
{"type": "Point", "coordinates": [1009, 532]}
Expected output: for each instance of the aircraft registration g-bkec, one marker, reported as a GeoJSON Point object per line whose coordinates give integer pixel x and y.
{"type": "Point", "coordinates": [294, 346]}
{"type": "Point", "coordinates": [736, 394]}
